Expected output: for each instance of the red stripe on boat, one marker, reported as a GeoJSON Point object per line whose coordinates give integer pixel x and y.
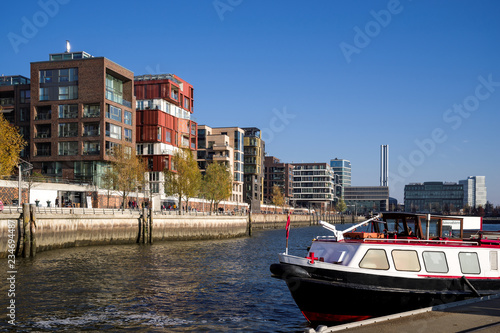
{"type": "Point", "coordinates": [326, 317]}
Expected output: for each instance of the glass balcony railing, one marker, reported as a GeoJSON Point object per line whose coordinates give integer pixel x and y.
{"type": "Point", "coordinates": [118, 99]}
{"type": "Point", "coordinates": [43, 116]}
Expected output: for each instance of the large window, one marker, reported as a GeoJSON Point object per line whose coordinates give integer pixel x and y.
{"type": "Point", "coordinates": [113, 131]}
{"type": "Point", "coordinates": [114, 113]}
{"type": "Point", "coordinates": [469, 263]}
{"type": "Point", "coordinates": [375, 259]}
{"type": "Point", "coordinates": [435, 262]}
{"type": "Point", "coordinates": [68, 111]}
{"type": "Point", "coordinates": [168, 136]}
{"type": "Point", "coordinates": [406, 260]}
{"type": "Point", "coordinates": [68, 130]}
{"type": "Point", "coordinates": [59, 84]}
{"type": "Point", "coordinates": [68, 148]}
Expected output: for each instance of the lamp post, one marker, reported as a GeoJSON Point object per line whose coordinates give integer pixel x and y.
{"type": "Point", "coordinates": [20, 170]}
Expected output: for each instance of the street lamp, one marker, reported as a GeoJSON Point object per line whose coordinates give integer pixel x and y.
{"type": "Point", "coordinates": [21, 169]}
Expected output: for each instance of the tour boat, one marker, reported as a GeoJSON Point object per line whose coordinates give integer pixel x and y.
{"type": "Point", "coordinates": [391, 263]}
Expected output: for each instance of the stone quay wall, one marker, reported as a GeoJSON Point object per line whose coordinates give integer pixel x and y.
{"type": "Point", "coordinates": [47, 231]}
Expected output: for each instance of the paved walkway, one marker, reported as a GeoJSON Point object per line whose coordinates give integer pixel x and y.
{"type": "Point", "coordinates": [477, 315]}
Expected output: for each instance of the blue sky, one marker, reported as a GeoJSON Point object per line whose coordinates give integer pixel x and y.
{"type": "Point", "coordinates": [322, 79]}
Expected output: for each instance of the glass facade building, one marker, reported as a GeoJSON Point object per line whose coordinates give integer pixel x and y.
{"type": "Point", "coordinates": [474, 191]}
{"type": "Point", "coordinates": [342, 168]}
{"type": "Point", "coordinates": [433, 197]}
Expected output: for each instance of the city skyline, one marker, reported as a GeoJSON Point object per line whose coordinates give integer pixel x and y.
{"type": "Point", "coordinates": [320, 80]}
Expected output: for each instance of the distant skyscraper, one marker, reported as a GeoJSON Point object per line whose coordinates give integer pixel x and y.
{"type": "Point", "coordinates": [474, 191]}
{"type": "Point", "coordinates": [384, 165]}
{"type": "Point", "coordinates": [342, 168]}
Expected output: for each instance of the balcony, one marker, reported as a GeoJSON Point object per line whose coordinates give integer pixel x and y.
{"type": "Point", "coordinates": [220, 147]}
{"type": "Point", "coordinates": [91, 133]}
{"type": "Point", "coordinates": [68, 134]}
{"type": "Point", "coordinates": [6, 101]}
{"type": "Point", "coordinates": [43, 135]}
{"type": "Point", "coordinates": [43, 116]}
{"type": "Point", "coordinates": [43, 152]}
{"type": "Point", "coordinates": [220, 157]}
{"type": "Point", "coordinates": [91, 152]}
{"type": "Point", "coordinates": [118, 99]}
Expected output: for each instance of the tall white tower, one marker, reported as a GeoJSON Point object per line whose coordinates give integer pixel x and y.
{"type": "Point", "coordinates": [384, 165]}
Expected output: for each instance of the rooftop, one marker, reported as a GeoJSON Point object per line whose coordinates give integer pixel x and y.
{"type": "Point", "coordinates": [12, 80]}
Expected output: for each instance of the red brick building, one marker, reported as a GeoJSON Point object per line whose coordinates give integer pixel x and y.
{"type": "Point", "coordinates": [81, 106]}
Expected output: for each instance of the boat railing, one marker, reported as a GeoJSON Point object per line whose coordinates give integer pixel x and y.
{"type": "Point", "coordinates": [421, 241]}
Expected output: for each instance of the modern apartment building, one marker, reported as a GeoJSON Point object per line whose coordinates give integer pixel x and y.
{"type": "Point", "coordinates": [254, 149]}
{"type": "Point", "coordinates": [280, 174]}
{"type": "Point", "coordinates": [164, 111]}
{"type": "Point", "coordinates": [433, 197]}
{"type": "Point", "coordinates": [223, 145]}
{"type": "Point", "coordinates": [15, 105]}
{"type": "Point", "coordinates": [81, 107]}
{"type": "Point", "coordinates": [366, 199]}
{"type": "Point", "coordinates": [314, 185]}
{"type": "Point", "coordinates": [474, 191]}
{"type": "Point", "coordinates": [342, 168]}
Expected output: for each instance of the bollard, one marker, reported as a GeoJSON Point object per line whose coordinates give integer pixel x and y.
{"type": "Point", "coordinates": [150, 240]}
{"type": "Point", "coordinates": [26, 230]}
{"type": "Point", "coordinates": [33, 231]}
{"type": "Point", "coordinates": [249, 223]}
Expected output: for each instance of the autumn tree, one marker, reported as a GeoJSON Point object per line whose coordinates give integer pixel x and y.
{"type": "Point", "coordinates": [109, 180]}
{"type": "Point", "coordinates": [185, 180]}
{"type": "Point", "coordinates": [278, 199]}
{"type": "Point", "coordinates": [217, 184]}
{"type": "Point", "coordinates": [128, 171]}
{"type": "Point", "coordinates": [11, 143]}
{"type": "Point", "coordinates": [341, 206]}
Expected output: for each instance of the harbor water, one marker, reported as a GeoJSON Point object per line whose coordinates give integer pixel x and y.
{"type": "Point", "coordinates": [190, 286]}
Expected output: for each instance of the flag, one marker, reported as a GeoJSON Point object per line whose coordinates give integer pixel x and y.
{"type": "Point", "coordinates": [287, 226]}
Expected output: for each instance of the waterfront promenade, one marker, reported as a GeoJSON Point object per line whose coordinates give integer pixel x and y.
{"type": "Point", "coordinates": [474, 315]}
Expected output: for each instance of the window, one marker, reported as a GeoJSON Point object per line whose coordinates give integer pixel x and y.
{"type": "Point", "coordinates": [469, 262]}
{"type": "Point", "coordinates": [375, 259]}
{"type": "Point", "coordinates": [435, 262]}
{"type": "Point", "coordinates": [158, 134]}
{"type": "Point", "coordinates": [113, 131]}
{"type": "Point", "coordinates": [127, 117]}
{"type": "Point", "coordinates": [186, 103]}
{"type": "Point", "coordinates": [406, 260]}
{"type": "Point", "coordinates": [114, 113]}
{"type": "Point", "coordinates": [68, 130]}
{"type": "Point", "coordinates": [494, 260]}
{"type": "Point", "coordinates": [23, 114]}
{"type": "Point", "coordinates": [25, 96]}
{"type": "Point", "coordinates": [91, 110]}
{"type": "Point", "coordinates": [68, 92]}
{"type": "Point", "coordinates": [44, 94]}
{"type": "Point", "coordinates": [91, 148]}
{"type": "Point", "coordinates": [68, 148]}
{"type": "Point", "coordinates": [168, 136]}
{"type": "Point", "coordinates": [128, 134]}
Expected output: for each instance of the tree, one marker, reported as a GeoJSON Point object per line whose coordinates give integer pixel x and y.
{"type": "Point", "coordinates": [341, 206]}
{"type": "Point", "coordinates": [109, 181]}
{"type": "Point", "coordinates": [217, 184]}
{"type": "Point", "coordinates": [185, 181]}
{"type": "Point", "coordinates": [278, 199]}
{"type": "Point", "coordinates": [11, 143]}
{"type": "Point", "coordinates": [128, 171]}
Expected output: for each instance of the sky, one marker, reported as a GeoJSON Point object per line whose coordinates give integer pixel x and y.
{"type": "Point", "coordinates": [321, 79]}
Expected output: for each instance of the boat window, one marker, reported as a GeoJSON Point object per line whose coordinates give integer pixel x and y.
{"type": "Point", "coordinates": [435, 262]}
{"type": "Point", "coordinates": [394, 225]}
{"type": "Point", "coordinates": [494, 260]}
{"type": "Point", "coordinates": [469, 262]}
{"type": "Point", "coordinates": [375, 259]}
{"type": "Point", "coordinates": [406, 260]}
